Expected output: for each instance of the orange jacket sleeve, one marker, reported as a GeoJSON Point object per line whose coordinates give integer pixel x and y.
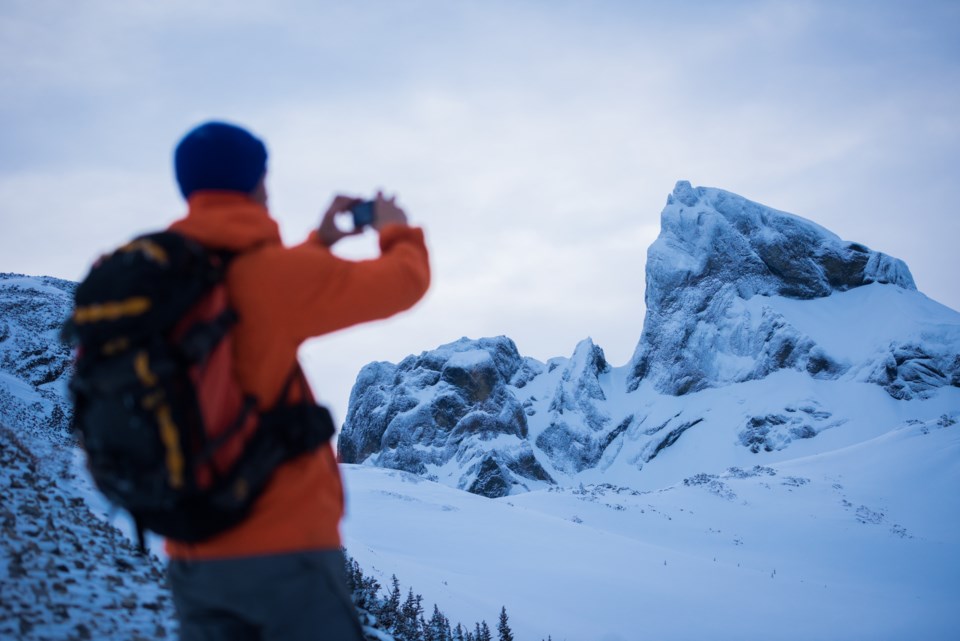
{"type": "Point", "coordinates": [332, 293]}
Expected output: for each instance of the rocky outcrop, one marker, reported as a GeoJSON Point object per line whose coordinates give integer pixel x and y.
{"type": "Point", "coordinates": [448, 412]}
{"type": "Point", "coordinates": [916, 369]}
{"type": "Point", "coordinates": [716, 250]}
{"type": "Point", "coordinates": [578, 421]}
{"type": "Point", "coordinates": [772, 432]}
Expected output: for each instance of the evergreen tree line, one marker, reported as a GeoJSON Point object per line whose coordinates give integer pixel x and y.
{"type": "Point", "coordinates": [404, 617]}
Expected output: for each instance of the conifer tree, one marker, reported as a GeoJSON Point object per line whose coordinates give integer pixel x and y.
{"type": "Point", "coordinates": [485, 634]}
{"type": "Point", "coordinates": [503, 628]}
{"type": "Point", "coordinates": [404, 619]}
{"type": "Point", "coordinates": [390, 612]}
{"type": "Point", "coordinates": [363, 589]}
{"type": "Point", "coordinates": [423, 630]}
{"type": "Point", "coordinates": [410, 614]}
{"type": "Point", "coordinates": [438, 628]}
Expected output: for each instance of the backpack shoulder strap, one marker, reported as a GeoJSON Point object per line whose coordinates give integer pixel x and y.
{"type": "Point", "coordinates": [303, 425]}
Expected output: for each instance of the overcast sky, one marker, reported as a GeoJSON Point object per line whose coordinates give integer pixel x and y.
{"type": "Point", "coordinates": [536, 141]}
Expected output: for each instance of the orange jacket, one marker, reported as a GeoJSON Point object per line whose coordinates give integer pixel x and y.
{"type": "Point", "coordinates": [283, 296]}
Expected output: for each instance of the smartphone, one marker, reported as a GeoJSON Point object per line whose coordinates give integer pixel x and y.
{"type": "Point", "coordinates": [362, 214]}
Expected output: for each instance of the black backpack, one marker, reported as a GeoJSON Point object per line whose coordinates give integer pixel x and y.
{"type": "Point", "coordinates": [168, 433]}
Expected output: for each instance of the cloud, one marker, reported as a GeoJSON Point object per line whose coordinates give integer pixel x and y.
{"type": "Point", "coordinates": [535, 141]}
{"type": "Point", "coordinates": [58, 223]}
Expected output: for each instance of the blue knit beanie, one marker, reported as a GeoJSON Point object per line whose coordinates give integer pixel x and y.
{"type": "Point", "coordinates": [218, 155]}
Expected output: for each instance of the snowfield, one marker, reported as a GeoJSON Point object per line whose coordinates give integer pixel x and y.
{"type": "Point", "coordinates": [862, 542]}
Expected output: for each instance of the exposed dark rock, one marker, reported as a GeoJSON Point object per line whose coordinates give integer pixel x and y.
{"type": "Point", "coordinates": [671, 437]}
{"type": "Point", "coordinates": [772, 432]}
{"type": "Point", "coordinates": [490, 479]}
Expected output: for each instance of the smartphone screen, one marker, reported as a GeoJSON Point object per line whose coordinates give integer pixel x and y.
{"type": "Point", "coordinates": [362, 214]}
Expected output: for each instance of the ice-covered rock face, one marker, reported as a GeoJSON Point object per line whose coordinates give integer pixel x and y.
{"type": "Point", "coordinates": [716, 250]}
{"type": "Point", "coordinates": [449, 413]}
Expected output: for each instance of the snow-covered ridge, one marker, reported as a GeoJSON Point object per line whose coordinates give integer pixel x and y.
{"type": "Point", "coordinates": [737, 293]}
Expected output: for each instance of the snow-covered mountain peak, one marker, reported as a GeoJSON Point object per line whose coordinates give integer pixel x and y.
{"type": "Point", "coordinates": [711, 237]}
{"type": "Point", "coordinates": [764, 332]}
{"type": "Point", "coordinates": [717, 250]}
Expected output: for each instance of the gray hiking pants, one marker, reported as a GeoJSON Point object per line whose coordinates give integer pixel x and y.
{"type": "Point", "coordinates": [300, 596]}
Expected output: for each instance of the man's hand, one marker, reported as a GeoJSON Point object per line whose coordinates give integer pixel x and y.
{"type": "Point", "coordinates": [386, 212]}
{"type": "Point", "coordinates": [329, 232]}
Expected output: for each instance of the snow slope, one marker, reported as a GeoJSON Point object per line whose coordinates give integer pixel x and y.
{"type": "Point", "coordinates": [779, 460]}
{"type": "Point", "coordinates": [859, 543]}
{"type": "Point", "coordinates": [65, 571]}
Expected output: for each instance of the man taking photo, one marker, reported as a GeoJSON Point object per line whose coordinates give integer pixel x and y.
{"type": "Point", "coordinates": [279, 574]}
